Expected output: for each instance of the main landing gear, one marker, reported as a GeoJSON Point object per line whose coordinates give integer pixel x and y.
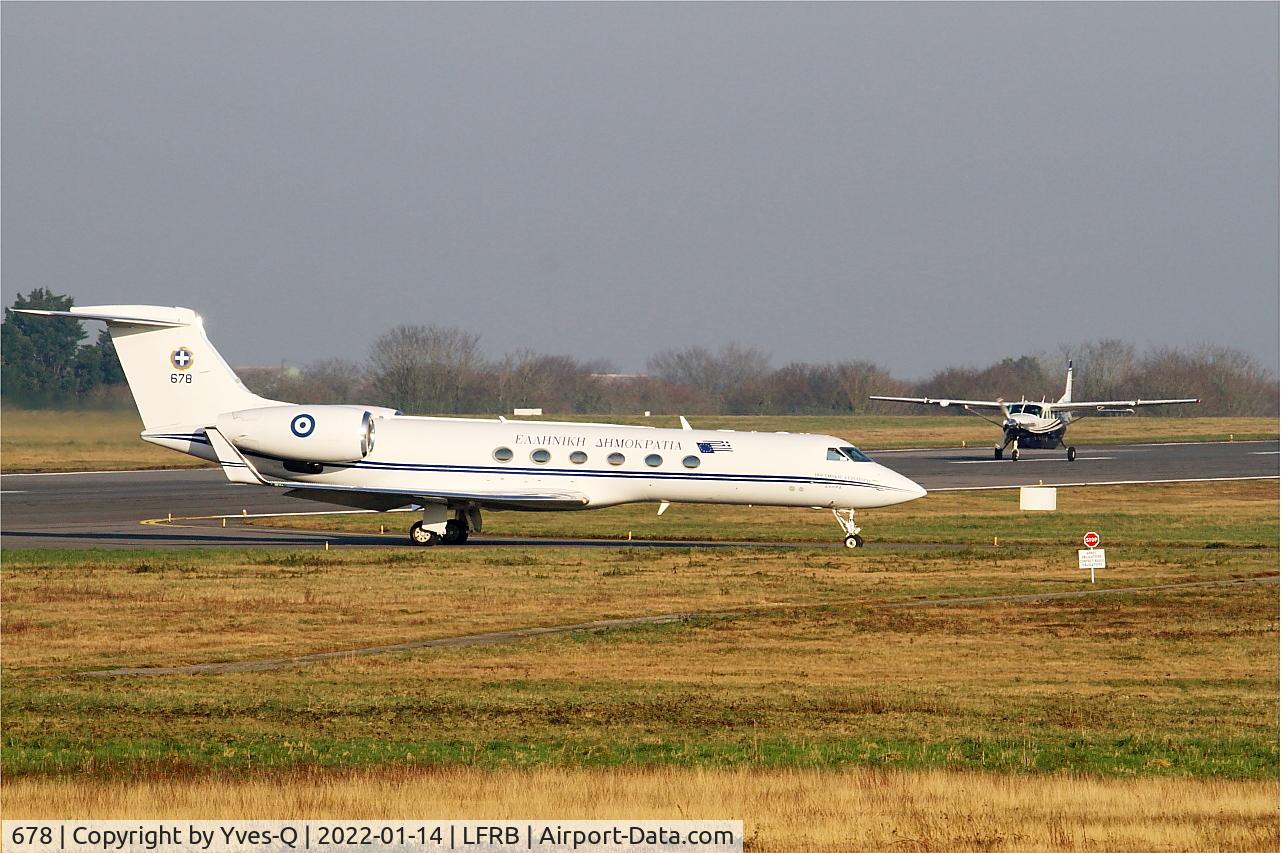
{"type": "Point", "coordinates": [845, 518]}
{"type": "Point", "coordinates": [436, 528]}
{"type": "Point", "coordinates": [999, 451]}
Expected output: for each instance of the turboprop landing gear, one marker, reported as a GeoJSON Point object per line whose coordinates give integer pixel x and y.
{"type": "Point", "coordinates": [845, 518]}
{"type": "Point", "coordinates": [1071, 454]}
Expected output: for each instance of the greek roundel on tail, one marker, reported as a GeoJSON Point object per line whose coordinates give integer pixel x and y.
{"type": "Point", "coordinates": [1038, 425]}
{"type": "Point", "coordinates": [377, 458]}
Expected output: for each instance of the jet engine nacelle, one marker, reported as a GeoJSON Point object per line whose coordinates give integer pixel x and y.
{"type": "Point", "coordinates": [319, 434]}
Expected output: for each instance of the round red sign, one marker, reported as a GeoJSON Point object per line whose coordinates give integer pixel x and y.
{"type": "Point", "coordinates": [1091, 539]}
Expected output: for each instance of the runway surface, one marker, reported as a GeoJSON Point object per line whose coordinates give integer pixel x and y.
{"type": "Point", "coordinates": [104, 510]}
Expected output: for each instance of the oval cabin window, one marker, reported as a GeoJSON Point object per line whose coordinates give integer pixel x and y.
{"type": "Point", "coordinates": [541, 455]}
{"type": "Point", "coordinates": [616, 459]}
{"type": "Point", "coordinates": [653, 460]}
{"type": "Point", "coordinates": [503, 455]}
{"type": "Point", "coordinates": [691, 462]}
{"type": "Point", "coordinates": [578, 457]}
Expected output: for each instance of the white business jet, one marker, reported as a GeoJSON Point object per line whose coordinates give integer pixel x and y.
{"type": "Point", "coordinates": [376, 458]}
{"type": "Point", "coordinates": [1039, 425]}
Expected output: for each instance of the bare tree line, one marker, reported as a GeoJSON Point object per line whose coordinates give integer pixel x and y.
{"type": "Point", "coordinates": [442, 369]}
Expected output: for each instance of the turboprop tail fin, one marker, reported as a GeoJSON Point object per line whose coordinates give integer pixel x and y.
{"type": "Point", "coordinates": [175, 374]}
{"type": "Point", "coordinates": [1067, 389]}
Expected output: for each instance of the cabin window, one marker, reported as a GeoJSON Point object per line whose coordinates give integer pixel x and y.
{"type": "Point", "coordinates": [578, 457]}
{"type": "Point", "coordinates": [691, 462]}
{"type": "Point", "coordinates": [653, 460]}
{"type": "Point", "coordinates": [616, 459]}
{"type": "Point", "coordinates": [503, 455]}
{"type": "Point", "coordinates": [541, 455]}
{"type": "Point", "coordinates": [856, 455]}
{"type": "Point", "coordinates": [833, 455]}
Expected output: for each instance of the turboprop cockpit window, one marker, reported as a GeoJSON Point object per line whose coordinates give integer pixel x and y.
{"type": "Point", "coordinates": [1027, 409]}
{"type": "Point", "coordinates": [856, 455]}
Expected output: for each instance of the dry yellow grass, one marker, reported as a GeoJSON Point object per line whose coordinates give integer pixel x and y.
{"type": "Point", "coordinates": [80, 441]}
{"type": "Point", "coordinates": [792, 810]}
{"type": "Point", "coordinates": [184, 610]}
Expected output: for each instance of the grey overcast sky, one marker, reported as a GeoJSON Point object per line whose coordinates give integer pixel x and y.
{"type": "Point", "coordinates": [916, 185]}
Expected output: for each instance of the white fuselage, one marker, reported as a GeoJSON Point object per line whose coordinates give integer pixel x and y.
{"type": "Point", "coordinates": [428, 456]}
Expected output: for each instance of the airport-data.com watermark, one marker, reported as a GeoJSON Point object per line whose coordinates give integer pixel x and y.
{"type": "Point", "coordinates": [162, 836]}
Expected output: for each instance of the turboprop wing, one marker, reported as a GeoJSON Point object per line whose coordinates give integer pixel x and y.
{"type": "Point", "coordinates": [1120, 404]}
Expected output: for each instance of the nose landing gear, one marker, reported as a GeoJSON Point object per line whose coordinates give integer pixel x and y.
{"type": "Point", "coordinates": [845, 518]}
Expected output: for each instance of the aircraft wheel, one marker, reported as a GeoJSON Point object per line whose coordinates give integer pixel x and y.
{"type": "Point", "coordinates": [455, 533]}
{"type": "Point", "coordinates": [420, 536]}
{"type": "Point", "coordinates": [1071, 454]}
{"type": "Point", "coordinates": [1014, 455]}
{"type": "Point", "coordinates": [853, 541]}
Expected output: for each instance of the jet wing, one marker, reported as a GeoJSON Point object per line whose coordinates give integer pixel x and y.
{"type": "Point", "coordinates": [368, 498]}
{"type": "Point", "coordinates": [239, 469]}
{"type": "Point", "coordinates": [1121, 404]}
{"type": "Point", "coordinates": [943, 402]}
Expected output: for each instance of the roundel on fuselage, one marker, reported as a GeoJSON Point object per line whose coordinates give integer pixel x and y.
{"type": "Point", "coordinates": [302, 425]}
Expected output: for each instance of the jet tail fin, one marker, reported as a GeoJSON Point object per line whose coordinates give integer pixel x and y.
{"type": "Point", "coordinates": [1067, 389]}
{"type": "Point", "coordinates": [175, 374]}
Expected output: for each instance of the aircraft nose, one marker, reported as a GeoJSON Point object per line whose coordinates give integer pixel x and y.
{"type": "Point", "coordinates": [909, 489]}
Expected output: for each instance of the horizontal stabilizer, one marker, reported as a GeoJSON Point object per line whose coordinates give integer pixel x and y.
{"type": "Point", "coordinates": [131, 315]}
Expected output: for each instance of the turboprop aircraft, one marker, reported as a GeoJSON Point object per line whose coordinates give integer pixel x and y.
{"type": "Point", "coordinates": [376, 458]}
{"type": "Point", "coordinates": [1039, 425]}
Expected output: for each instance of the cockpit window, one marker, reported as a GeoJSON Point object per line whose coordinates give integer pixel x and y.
{"type": "Point", "coordinates": [834, 455]}
{"type": "Point", "coordinates": [1027, 408]}
{"type": "Point", "coordinates": [856, 455]}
